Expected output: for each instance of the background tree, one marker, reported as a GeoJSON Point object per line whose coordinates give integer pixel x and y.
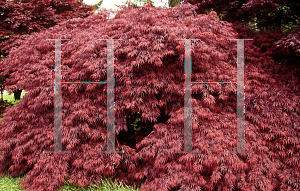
{"type": "Point", "coordinates": [173, 3]}
{"type": "Point", "coordinates": [149, 74]}
{"type": "Point", "coordinates": [99, 3]}
{"type": "Point", "coordinates": [137, 3]}
{"type": "Point", "coordinates": [21, 17]}
{"type": "Point", "coordinates": [267, 15]}
{"type": "Point", "coordinates": [275, 25]}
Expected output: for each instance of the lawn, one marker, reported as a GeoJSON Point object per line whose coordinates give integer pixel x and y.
{"type": "Point", "coordinates": [12, 184]}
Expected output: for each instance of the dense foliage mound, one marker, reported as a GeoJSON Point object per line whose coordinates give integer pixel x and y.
{"type": "Point", "coordinates": [149, 78]}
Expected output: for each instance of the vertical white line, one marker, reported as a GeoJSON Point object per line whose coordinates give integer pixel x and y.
{"type": "Point", "coordinates": [57, 100]}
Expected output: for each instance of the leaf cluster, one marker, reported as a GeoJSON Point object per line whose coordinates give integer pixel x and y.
{"type": "Point", "coordinates": [26, 17]}
{"type": "Point", "coordinates": [19, 18]}
{"type": "Point", "coordinates": [274, 24]}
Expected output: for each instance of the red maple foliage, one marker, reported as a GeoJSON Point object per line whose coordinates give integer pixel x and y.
{"type": "Point", "coordinates": [282, 48]}
{"type": "Point", "coordinates": [22, 17]}
{"type": "Point", "coordinates": [276, 24]}
{"type": "Point", "coordinates": [28, 16]}
{"type": "Point", "coordinates": [149, 74]}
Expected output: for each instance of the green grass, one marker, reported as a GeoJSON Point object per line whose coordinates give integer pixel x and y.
{"type": "Point", "coordinates": [10, 98]}
{"type": "Point", "coordinates": [12, 184]}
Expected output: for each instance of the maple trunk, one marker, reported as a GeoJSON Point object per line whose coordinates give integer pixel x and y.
{"type": "Point", "coordinates": [17, 94]}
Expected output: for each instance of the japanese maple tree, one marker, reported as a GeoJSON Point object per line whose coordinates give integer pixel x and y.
{"type": "Point", "coordinates": [149, 78]}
